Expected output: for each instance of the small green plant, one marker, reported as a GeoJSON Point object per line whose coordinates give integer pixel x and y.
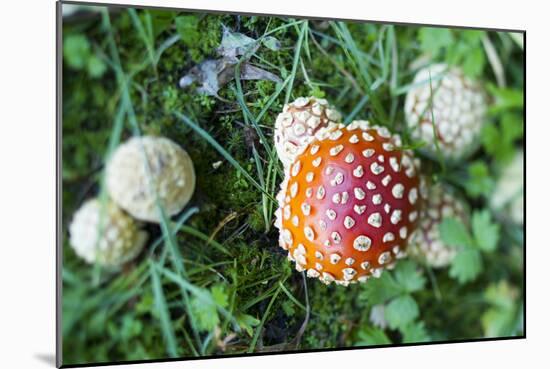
{"type": "Point", "coordinates": [483, 238]}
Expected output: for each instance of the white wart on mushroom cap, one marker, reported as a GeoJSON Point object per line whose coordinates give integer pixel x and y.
{"type": "Point", "coordinates": [134, 182]}
{"type": "Point", "coordinates": [104, 234]}
{"type": "Point", "coordinates": [349, 203]}
{"type": "Point", "coordinates": [298, 123]}
{"type": "Point", "coordinates": [426, 244]}
{"type": "Point", "coordinates": [507, 200]}
{"type": "Point", "coordinates": [458, 107]}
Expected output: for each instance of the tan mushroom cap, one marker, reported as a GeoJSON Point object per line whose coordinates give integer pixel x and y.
{"type": "Point", "coordinates": [349, 203]}
{"type": "Point", "coordinates": [426, 243]}
{"type": "Point", "coordinates": [134, 182]}
{"type": "Point", "coordinates": [298, 123]}
{"type": "Point", "coordinates": [105, 234]}
{"type": "Point", "coordinates": [459, 109]}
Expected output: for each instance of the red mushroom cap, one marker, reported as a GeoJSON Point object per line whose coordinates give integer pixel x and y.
{"type": "Point", "coordinates": [349, 203]}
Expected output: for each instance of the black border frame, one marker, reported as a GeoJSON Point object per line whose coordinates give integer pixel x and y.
{"type": "Point", "coordinates": [59, 243]}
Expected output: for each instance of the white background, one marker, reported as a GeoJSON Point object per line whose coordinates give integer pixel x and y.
{"type": "Point", "coordinates": [27, 180]}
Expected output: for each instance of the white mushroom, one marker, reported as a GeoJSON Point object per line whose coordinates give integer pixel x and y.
{"type": "Point", "coordinates": [135, 183]}
{"type": "Point", "coordinates": [104, 234]}
{"type": "Point", "coordinates": [426, 243]}
{"type": "Point", "coordinates": [455, 102]}
{"type": "Point", "coordinates": [296, 126]}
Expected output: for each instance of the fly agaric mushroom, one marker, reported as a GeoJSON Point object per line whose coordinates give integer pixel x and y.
{"type": "Point", "coordinates": [135, 183]}
{"type": "Point", "coordinates": [298, 123]}
{"type": "Point", "coordinates": [426, 244]}
{"type": "Point", "coordinates": [507, 199]}
{"type": "Point", "coordinates": [458, 106]}
{"type": "Point", "coordinates": [349, 203]}
{"type": "Point", "coordinates": [105, 234]}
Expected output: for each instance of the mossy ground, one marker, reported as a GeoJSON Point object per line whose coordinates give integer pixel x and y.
{"type": "Point", "coordinates": [116, 315]}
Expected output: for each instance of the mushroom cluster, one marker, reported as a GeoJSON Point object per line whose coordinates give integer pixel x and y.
{"type": "Point", "coordinates": [445, 109]}
{"type": "Point", "coordinates": [142, 174]}
{"type": "Point", "coordinates": [426, 244]}
{"type": "Point", "coordinates": [349, 202]}
{"type": "Point", "coordinates": [102, 233]}
{"type": "Point", "coordinates": [298, 123]}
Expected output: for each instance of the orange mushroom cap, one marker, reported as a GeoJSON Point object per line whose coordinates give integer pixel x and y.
{"type": "Point", "coordinates": [349, 203]}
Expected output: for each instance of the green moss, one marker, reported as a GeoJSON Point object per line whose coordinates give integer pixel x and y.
{"type": "Point", "coordinates": [256, 219]}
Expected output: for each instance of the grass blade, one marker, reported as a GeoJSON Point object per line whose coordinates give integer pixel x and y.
{"type": "Point", "coordinates": [291, 297]}
{"type": "Point", "coordinates": [196, 233]}
{"type": "Point", "coordinates": [262, 322]}
{"type": "Point", "coordinates": [145, 36]}
{"type": "Point", "coordinates": [297, 53]}
{"type": "Point", "coordinates": [199, 293]}
{"type": "Point", "coordinates": [177, 226]}
{"type": "Point", "coordinates": [164, 315]}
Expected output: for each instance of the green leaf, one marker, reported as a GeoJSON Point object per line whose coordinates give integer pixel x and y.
{"type": "Point", "coordinates": [499, 139]}
{"type": "Point", "coordinates": [457, 52]}
{"type": "Point", "coordinates": [76, 50]}
{"type": "Point", "coordinates": [187, 27]}
{"type": "Point", "coordinates": [505, 98]}
{"type": "Point", "coordinates": [160, 20]}
{"type": "Point", "coordinates": [380, 290]}
{"type": "Point", "coordinates": [206, 314]}
{"type": "Point", "coordinates": [409, 277]}
{"type": "Point", "coordinates": [496, 142]}
{"type": "Point", "coordinates": [486, 233]}
{"type": "Point", "coordinates": [401, 311]}
{"type": "Point", "coordinates": [415, 332]}
{"type": "Point", "coordinates": [490, 138]}
{"type": "Point", "coordinates": [498, 323]}
{"type": "Point", "coordinates": [288, 308]}
{"type": "Point", "coordinates": [474, 62]}
{"type": "Point", "coordinates": [219, 295]}
{"type": "Point", "coordinates": [96, 67]}
{"type": "Point", "coordinates": [502, 318]}
{"type": "Point", "coordinates": [372, 336]}
{"type": "Point", "coordinates": [501, 295]}
{"type": "Point", "coordinates": [247, 322]}
{"type": "Point", "coordinates": [472, 37]}
{"type": "Point", "coordinates": [466, 265]}
{"type": "Point", "coordinates": [432, 40]}
{"type": "Point", "coordinates": [271, 43]}
{"type": "Point", "coordinates": [479, 181]}
{"type": "Point", "coordinates": [512, 127]}
{"type": "Point", "coordinates": [453, 232]}
{"type": "Point", "coordinates": [467, 52]}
